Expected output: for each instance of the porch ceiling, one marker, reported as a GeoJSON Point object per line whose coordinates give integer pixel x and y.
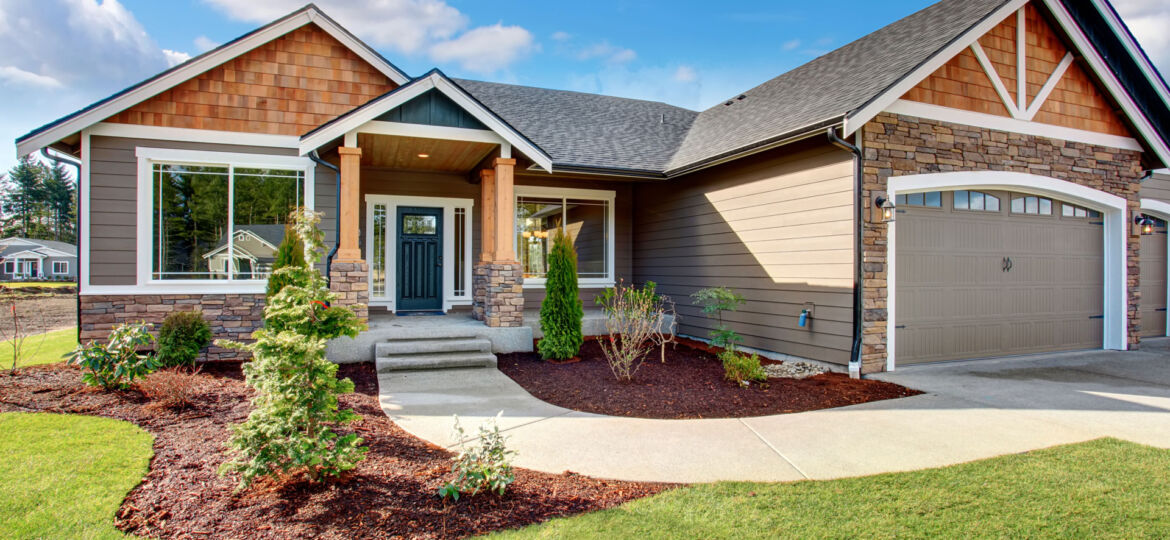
{"type": "Point", "coordinates": [397, 152]}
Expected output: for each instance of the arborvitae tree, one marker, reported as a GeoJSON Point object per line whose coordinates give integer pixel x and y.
{"type": "Point", "coordinates": [290, 252]}
{"type": "Point", "coordinates": [561, 312]}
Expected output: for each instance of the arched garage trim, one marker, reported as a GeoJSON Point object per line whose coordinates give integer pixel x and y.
{"type": "Point", "coordinates": [1162, 210]}
{"type": "Point", "coordinates": [1112, 207]}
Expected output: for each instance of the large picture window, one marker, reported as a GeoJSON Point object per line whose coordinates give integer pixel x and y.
{"type": "Point", "coordinates": [585, 217]}
{"type": "Point", "coordinates": [219, 222]}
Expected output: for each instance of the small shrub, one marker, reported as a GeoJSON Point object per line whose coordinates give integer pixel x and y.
{"type": "Point", "coordinates": [481, 466]}
{"type": "Point", "coordinates": [182, 336]}
{"type": "Point", "coordinates": [171, 388]}
{"type": "Point", "coordinates": [742, 368]}
{"type": "Point", "coordinates": [290, 252]}
{"type": "Point", "coordinates": [715, 301]}
{"type": "Point", "coordinates": [634, 320]}
{"type": "Point", "coordinates": [117, 363]}
{"type": "Point", "coordinates": [561, 311]}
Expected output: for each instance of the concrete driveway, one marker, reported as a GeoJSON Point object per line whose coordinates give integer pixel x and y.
{"type": "Point", "coordinates": [972, 410]}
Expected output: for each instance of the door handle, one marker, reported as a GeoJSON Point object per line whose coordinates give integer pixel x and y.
{"type": "Point", "coordinates": [1010, 264]}
{"type": "Point", "coordinates": [439, 260]}
{"type": "Point", "coordinates": [1003, 264]}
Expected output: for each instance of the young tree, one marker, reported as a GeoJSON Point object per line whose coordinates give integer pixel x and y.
{"type": "Point", "coordinates": [290, 252]}
{"type": "Point", "coordinates": [561, 311]}
{"type": "Point", "coordinates": [22, 192]}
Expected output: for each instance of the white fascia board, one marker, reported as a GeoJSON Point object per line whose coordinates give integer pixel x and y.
{"type": "Point", "coordinates": [1134, 49]}
{"type": "Point", "coordinates": [18, 241]}
{"type": "Point", "coordinates": [204, 157]}
{"type": "Point", "coordinates": [1161, 208]}
{"type": "Point", "coordinates": [134, 131]}
{"type": "Point", "coordinates": [854, 121]}
{"type": "Point", "coordinates": [363, 115]}
{"type": "Point", "coordinates": [423, 131]}
{"type": "Point", "coordinates": [201, 64]}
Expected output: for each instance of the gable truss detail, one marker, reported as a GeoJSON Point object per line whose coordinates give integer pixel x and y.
{"type": "Point", "coordinates": [1019, 108]}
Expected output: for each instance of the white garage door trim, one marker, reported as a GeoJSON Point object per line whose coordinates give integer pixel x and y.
{"type": "Point", "coordinates": [1162, 210]}
{"type": "Point", "coordinates": [1112, 207]}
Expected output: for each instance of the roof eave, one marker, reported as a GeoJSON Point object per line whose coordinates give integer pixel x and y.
{"type": "Point", "coordinates": [776, 141]}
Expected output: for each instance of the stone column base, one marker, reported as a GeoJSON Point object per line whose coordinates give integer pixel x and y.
{"type": "Point", "coordinates": [499, 294]}
{"type": "Point", "coordinates": [349, 281]}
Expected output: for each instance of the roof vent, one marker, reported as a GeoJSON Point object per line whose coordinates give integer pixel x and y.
{"type": "Point", "coordinates": [741, 96]}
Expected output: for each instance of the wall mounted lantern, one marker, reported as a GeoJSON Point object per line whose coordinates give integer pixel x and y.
{"type": "Point", "coordinates": [885, 207]}
{"type": "Point", "coordinates": [1144, 223]}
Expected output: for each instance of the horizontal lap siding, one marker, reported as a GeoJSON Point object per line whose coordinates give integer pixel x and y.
{"type": "Point", "coordinates": [776, 227]}
{"type": "Point", "coordinates": [113, 202]}
{"type": "Point", "coordinates": [1157, 187]}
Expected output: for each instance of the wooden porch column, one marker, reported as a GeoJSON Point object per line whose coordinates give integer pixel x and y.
{"type": "Point", "coordinates": [487, 218]}
{"type": "Point", "coordinates": [498, 288]}
{"type": "Point", "coordinates": [347, 207]}
{"type": "Point", "coordinates": [505, 210]}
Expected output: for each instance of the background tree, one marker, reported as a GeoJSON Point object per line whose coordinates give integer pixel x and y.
{"type": "Point", "coordinates": [60, 200]}
{"type": "Point", "coordinates": [21, 197]}
{"type": "Point", "coordinates": [39, 202]}
{"type": "Point", "coordinates": [561, 311]}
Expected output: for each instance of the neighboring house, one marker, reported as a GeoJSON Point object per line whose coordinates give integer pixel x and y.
{"type": "Point", "coordinates": [965, 182]}
{"type": "Point", "coordinates": [23, 259]}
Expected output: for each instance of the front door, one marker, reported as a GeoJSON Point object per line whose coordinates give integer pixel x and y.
{"type": "Point", "coordinates": [420, 259]}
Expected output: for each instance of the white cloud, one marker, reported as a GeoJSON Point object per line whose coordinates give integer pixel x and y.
{"type": "Point", "coordinates": [685, 74]}
{"type": "Point", "coordinates": [611, 53]}
{"type": "Point", "coordinates": [1149, 21]}
{"type": "Point", "coordinates": [175, 58]}
{"type": "Point", "coordinates": [790, 45]}
{"type": "Point", "coordinates": [561, 36]}
{"type": "Point", "coordinates": [204, 44]}
{"type": "Point", "coordinates": [486, 49]}
{"type": "Point", "coordinates": [17, 76]}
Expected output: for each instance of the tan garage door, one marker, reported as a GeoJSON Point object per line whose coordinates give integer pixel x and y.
{"type": "Point", "coordinates": [984, 274]}
{"type": "Point", "coordinates": [1153, 305]}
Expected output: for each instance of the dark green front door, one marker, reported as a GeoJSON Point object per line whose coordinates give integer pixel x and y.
{"type": "Point", "coordinates": [420, 259]}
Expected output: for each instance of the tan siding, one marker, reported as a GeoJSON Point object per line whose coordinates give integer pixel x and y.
{"type": "Point", "coordinates": [776, 227]}
{"type": "Point", "coordinates": [1157, 187]}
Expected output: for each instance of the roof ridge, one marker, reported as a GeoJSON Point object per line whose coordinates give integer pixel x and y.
{"type": "Point", "coordinates": [561, 90]}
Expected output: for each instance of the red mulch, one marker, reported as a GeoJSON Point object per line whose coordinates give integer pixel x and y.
{"type": "Point", "coordinates": [689, 385]}
{"type": "Point", "coordinates": [390, 494]}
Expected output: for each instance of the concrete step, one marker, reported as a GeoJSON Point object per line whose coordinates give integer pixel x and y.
{"type": "Point", "coordinates": [435, 361]}
{"type": "Point", "coordinates": [396, 347]}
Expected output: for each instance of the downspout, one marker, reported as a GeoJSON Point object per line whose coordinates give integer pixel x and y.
{"type": "Point", "coordinates": [59, 160]}
{"type": "Point", "coordinates": [858, 224]}
{"type": "Point", "coordinates": [337, 227]}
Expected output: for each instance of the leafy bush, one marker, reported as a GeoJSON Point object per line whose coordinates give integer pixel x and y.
{"type": "Point", "coordinates": [182, 336]}
{"type": "Point", "coordinates": [481, 467]}
{"type": "Point", "coordinates": [117, 363]}
{"type": "Point", "coordinates": [634, 320]}
{"type": "Point", "coordinates": [715, 301]}
{"type": "Point", "coordinates": [742, 368]}
{"type": "Point", "coordinates": [561, 311]}
{"type": "Point", "coordinates": [171, 388]}
{"type": "Point", "coordinates": [295, 406]}
{"type": "Point", "coordinates": [290, 252]}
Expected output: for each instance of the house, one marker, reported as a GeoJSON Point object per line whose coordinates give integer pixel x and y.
{"type": "Point", "coordinates": [27, 259]}
{"type": "Point", "coordinates": [969, 181]}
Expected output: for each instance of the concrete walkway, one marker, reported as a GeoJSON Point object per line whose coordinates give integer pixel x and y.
{"type": "Point", "coordinates": [972, 410]}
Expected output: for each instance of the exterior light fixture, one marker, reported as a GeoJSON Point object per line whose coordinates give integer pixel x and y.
{"type": "Point", "coordinates": [885, 207]}
{"type": "Point", "coordinates": [1144, 223]}
{"type": "Point", "coordinates": [424, 156]}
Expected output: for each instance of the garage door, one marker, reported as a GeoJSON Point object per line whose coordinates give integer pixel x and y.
{"type": "Point", "coordinates": [1153, 305]}
{"type": "Point", "coordinates": [990, 273]}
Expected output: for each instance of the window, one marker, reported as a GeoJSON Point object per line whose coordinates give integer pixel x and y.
{"type": "Point", "coordinates": [9, 267]}
{"type": "Point", "coordinates": [932, 199]}
{"type": "Point", "coordinates": [60, 267]}
{"type": "Point", "coordinates": [413, 224]}
{"type": "Point", "coordinates": [1032, 205]}
{"type": "Point", "coordinates": [976, 200]}
{"type": "Point", "coordinates": [584, 216]}
{"type": "Point", "coordinates": [1068, 210]}
{"type": "Point", "coordinates": [220, 222]}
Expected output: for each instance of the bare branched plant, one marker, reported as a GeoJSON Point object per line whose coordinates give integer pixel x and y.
{"type": "Point", "coordinates": [636, 322]}
{"type": "Point", "coordinates": [17, 337]}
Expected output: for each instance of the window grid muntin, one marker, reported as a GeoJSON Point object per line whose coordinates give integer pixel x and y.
{"type": "Point", "coordinates": [975, 201]}
{"type": "Point", "coordinates": [929, 199]}
{"type": "Point", "coordinates": [545, 242]}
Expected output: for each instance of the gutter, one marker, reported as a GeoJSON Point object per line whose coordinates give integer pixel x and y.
{"type": "Point", "coordinates": [336, 229]}
{"type": "Point", "coordinates": [66, 161]}
{"type": "Point", "coordinates": [858, 276]}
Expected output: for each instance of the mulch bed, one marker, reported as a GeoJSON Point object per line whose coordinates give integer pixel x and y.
{"type": "Point", "coordinates": [390, 494]}
{"type": "Point", "coordinates": [689, 385]}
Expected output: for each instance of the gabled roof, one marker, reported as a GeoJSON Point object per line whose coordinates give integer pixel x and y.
{"type": "Point", "coordinates": [49, 248]}
{"type": "Point", "coordinates": [73, 123]}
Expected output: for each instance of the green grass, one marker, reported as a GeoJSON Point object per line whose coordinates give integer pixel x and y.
{"type": "Point", "coordinates": [45, 284]}
{"type": "Point", "coordinates": [1104, 488]}
{"type": "Point", "coordinates": [44, 348]}
{"type": "Point", "coordinates": [64, 476]}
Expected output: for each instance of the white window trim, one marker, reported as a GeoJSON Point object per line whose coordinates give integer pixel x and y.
{"type": "Point", "coordinates": [1114, 211]}
{"type": "Point", "coordinates": [448, 205]}
{"type": "Point", "coordinates": [575, 193]}
{"type": "Point", "coordinates": [62, 273]}
{"type": "Point", "coordinates": [147, 157]}
{"type": "Point", "coordinates": [10, 267]}
{"type": "Point", "coordinates": [1162, 210]}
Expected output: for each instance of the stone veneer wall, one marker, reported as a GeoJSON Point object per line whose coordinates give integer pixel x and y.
{"type": "Point", "coordinates": [897, 145]}
{"type": "Point", "coordinates": [231, 316]}
{"type": "Point", "coordinates": [498, 294]}
{"type": "Point", "coordinates": [349, 281]}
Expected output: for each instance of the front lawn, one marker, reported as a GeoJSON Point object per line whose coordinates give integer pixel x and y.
{"type": "Point", "coordinates": [64, 476]}
{"type": "Point", "coordinates": [1102, 488]}
{"type": "Point", "coordinates": [43, 284]}
{"type": "Point", "coordinates": [38, 349]}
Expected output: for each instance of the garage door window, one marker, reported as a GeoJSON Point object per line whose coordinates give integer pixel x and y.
{"type": "Point", "coordinates": [1068, 210]}
{"type": "Point", "coordinates": [1038, 206]}
{"type": "Point", "coordinates": [976, 200]}
{"type": "Point", "coordinates": [930, 199]}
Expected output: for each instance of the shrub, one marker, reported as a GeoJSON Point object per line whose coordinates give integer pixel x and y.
{"type": "Point", "coordinates": [742, 368]}
{"type": "Point", "coordinates": [290, 252]}
{"type": "Point", "coordinates": [715, 301]}
{"type": "Point", "coordinates": [174, 388]}
{"type": "Point", "coordinates": [295, 406]}
{"type": "Point", "coordinates": [182, 336]}
{"type": "Point", "coordinates": [483, 466]}
{"type": "Point", "coordinates": [634, 320]}
{"type": "Point", "coordinates": [117, 363]}
{"type": "Point", "coordinates": [561, 311]}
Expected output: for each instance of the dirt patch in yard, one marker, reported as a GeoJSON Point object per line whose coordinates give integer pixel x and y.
{"type": "Point", "coordinates": [37, 312]}
{"type": "Point", "coordinates": [690, 384]}
{"type": "Point", "coordinates": [390, 494]}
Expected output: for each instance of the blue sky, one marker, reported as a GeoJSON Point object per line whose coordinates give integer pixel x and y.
{"type": "Point", "coordinates": [59, 55]}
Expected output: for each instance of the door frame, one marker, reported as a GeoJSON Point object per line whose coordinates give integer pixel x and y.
{"type": "Point", "coordinates": [1161, 210]}
{"type": "Point", "coordinates": [438, 271]}
{"type": "Point", "coordinates": [451, 297]}
{"type": "Point", "coordinates": [1114, 210]}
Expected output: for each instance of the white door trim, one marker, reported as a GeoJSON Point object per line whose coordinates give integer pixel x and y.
{"type": "Point", "coordinates": [1162, 210]}
{"type": "Point", "coordinates": [1113, 208]}
{"type": "Point", "coordinates": [448, 205]}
